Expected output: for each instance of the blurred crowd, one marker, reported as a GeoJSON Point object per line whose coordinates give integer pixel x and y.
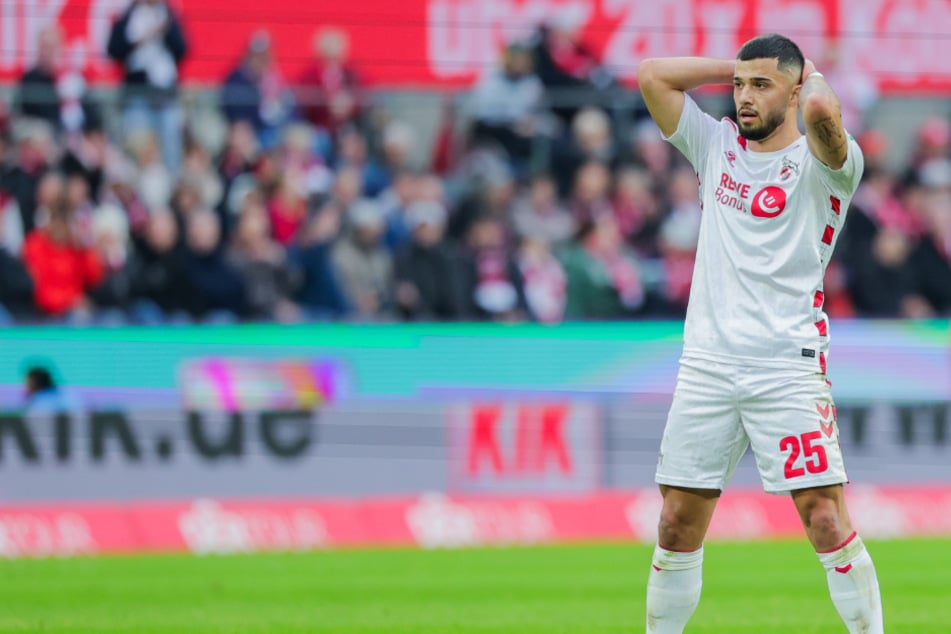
{"type": "Point", "coordinates": [315, 205]}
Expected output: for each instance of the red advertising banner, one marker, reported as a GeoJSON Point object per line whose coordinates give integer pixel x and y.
{"type": "Point", "coordinates": [899, 45]}
{"type": "Point", "coordinates": [525, 447]}
{"type": "Point", "coordinates": [206, 526]}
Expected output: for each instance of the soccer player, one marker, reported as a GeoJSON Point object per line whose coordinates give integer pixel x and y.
{"type": "Point", "coordinates": [753, 370]}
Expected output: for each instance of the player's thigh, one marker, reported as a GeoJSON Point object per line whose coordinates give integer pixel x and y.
{"type": "Point", "coordinates": [703, 439]}
{"type": "Point", "coordinates": [791, 425]}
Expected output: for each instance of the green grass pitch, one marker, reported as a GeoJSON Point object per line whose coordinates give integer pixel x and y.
{"type": "Point", "coordinates": [761, 588]}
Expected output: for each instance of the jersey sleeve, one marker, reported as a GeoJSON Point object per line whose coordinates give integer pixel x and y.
{"type": "Point", "coordinates": [844, 181]}
{"type": "Point", "coordinates": [695, 133]}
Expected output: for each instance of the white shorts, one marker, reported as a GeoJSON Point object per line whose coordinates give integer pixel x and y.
{"type": "Point", "coordinates": [719, 409]}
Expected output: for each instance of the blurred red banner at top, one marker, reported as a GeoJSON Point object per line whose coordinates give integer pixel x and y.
{"type": "Point", "coordinates": [450, 43]}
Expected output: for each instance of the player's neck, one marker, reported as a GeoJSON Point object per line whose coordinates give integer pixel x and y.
{"type": "Point", "coordinates": [784, 136]}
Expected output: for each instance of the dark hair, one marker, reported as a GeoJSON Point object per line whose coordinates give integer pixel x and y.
{"type": "Point", "coordinates": [774, 46]}
{"type": "Point", "coordinates": [41, 378]}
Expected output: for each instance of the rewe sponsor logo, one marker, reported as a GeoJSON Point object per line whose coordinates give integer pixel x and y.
{"type": "Point", "coordinates": [209, 528]}
{"type": "Point", "coordinates": [26, 534]}
{"type": "Point", "coordinates": [436, 521]}
{"type": "Point", "coordinates": [768, 202]}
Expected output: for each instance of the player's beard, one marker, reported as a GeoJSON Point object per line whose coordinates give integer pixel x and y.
{"type": "Point", "coordinates": [761, 131]}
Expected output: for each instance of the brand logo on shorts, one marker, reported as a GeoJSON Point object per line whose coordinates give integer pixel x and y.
{"type": "Point", "coordinates": [769, 202]}
{"type": "Point", "coordinates": [827, 416]}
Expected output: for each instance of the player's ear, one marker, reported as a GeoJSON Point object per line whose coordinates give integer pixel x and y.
{"type": "Point", "coordinates": [794, 96]}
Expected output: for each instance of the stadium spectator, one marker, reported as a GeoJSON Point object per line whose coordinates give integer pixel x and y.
{"type": "Point", "coordinates": [677, 240]}
{"type": "Point", "coordinates": [569, 70]}
{"type": "Point", "coordinates": [16, 285]}
{"type": "Point", "coordinates": [352, 151]}
{"type": "Point", "coordinates": [218, 292]}
{"type": "Point", "coordinates": [650, 152]}
{"type": "Point", "coordinates": [63, 267]}
{"type": "Point", "coordinates": [187, 199]}
{"type": "Point", "coordinates": [34, 156]}
{"type": "Point", "coordinates": [876, 148]}
{"type": "Point", "coordinates": [110, 238]}
{"type": "Point", "coordinates": [51, 93]}
{"type": "Point", "coordinates": [493, 196]}
{"type": "Point", "coordinates": [86, 156]}
{"type": "Point", "coordinates": [884, 284]}
{"type": "Point", "coordinates": [50, 188]}
{"type": "Point", "coordinates": [491, 276]}
{"type": "Point", "coordinates": [11, 225]}
{"type": "Point", "coordinates": [591, 193]}
{"type": "Point", "coordinates": [330, 92]}
{"type": "Point", "coordinates": [255, 91]}
{"type": "Point", "coordinates": [76, 190]}
{"type": "Point", "coordinates": [543, 280]}
{"type": "Point", "coordinates": [309, 175]}
{"type": "Point", "coordinates": [44, 395]}
{"type": "Point", "coordinates": [447, 144]}
{"type": "Point", "coordinates": [931, 258]}
{"type": "Point", "coordinates": [394, 202]}
{"type": "Point", "coordinates": [932, 141]}
{"type": "Point", "coordinates": [148, 41]}
{"type": "Point", "coordinates": [262, 263]}
{"type": "Point", "coordinates": [539, 214]}
{"type": "Point", "coordinates": [838, 301]}
{"type": "Point", "coordinates": [397, 147]}
{"type": "Point", "coordinates": [591, 140]}
{"type": "Point", "coordinates": [161, 290]}
{"type": "Point", "coordinates": [153, 182]}
{"type": "Point", "coordinates": [121, 188]}
{"type": "Point", "coordinates": [235, 166]}
{"type": "Point", "coordinates": [876, 204]}
{"type": "Point", "coordinates": [319, 292]}
{"type": "Point", "coordinates": [201, 171]}
{"type": "Point", "coordinates": [363, 264]}
{"type": "Point", "coordinates": [287, 210]}
{"type": "Point", "coordinates": [506, 104]}
{"type": "Point", "coordinates": [347, 186]}
{"type": "Point", "coordinates": [428, 279]}
{"type": "Point", "coordinates": [637, 210]}
{"type": "Point", "coordinates": [602, 273]}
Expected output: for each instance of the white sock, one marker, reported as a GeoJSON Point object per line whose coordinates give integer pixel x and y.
{"type": "Point", "coordinates": [853, 586]}
{"type": "Point", "coordinates": [673, 590]}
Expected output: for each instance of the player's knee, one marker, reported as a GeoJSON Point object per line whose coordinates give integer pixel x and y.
{"type": "Point", "coordinates": [676, 532]}
{"type": "Point", "coordinates": [821, 518]}
{"type": "Point", "coordinates": [825, 523]}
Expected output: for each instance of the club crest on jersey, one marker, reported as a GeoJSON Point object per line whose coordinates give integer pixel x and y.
{"type": "Point", "coordinates": [730, 157]}
{"type": "Point", "coordinates": [789, 168]}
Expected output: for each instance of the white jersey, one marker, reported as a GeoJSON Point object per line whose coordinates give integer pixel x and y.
{"type": "Point", "coordinates": [770, 222]}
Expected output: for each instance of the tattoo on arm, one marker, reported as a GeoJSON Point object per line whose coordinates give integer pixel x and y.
{"type": "Point", "coordinates": [830, 134]}
{"type": "Point", "coordinates": [828, 131]}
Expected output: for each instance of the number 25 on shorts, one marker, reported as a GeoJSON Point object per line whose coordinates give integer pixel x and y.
{"type": "Point", "coordinates": [814, 456]}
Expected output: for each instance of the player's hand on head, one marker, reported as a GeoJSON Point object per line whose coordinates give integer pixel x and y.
{"type": "Point", "coordinates": [808, 68]}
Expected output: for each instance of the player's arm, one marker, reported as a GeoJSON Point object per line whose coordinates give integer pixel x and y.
{"type": "Point", "coordinates": [664, 80]}
{"type": "Point", "coordinates": [822, 114]}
